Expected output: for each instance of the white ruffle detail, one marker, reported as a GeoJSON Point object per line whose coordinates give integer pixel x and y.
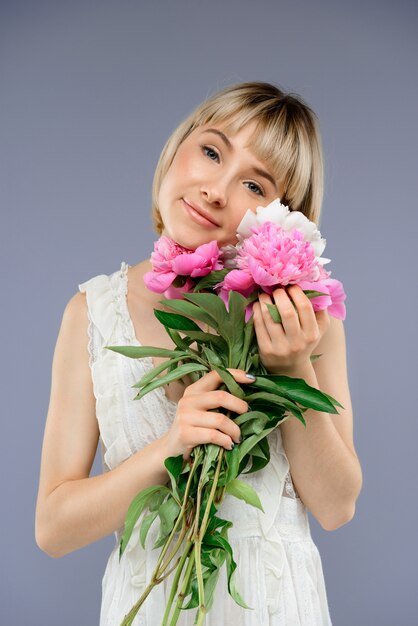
{"type": "Point", "coordinates": [289, 488]}
{"type": "Point", "coordinates": [106, 384]}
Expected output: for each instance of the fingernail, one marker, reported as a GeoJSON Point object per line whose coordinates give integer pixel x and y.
{"type": "Point", "coordinates": [232, 445]}
{"type": "Point", "coordinates": [250, 376]}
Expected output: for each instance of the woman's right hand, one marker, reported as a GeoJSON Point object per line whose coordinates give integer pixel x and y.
{"type": "Point", "coordinates": [194, 424]}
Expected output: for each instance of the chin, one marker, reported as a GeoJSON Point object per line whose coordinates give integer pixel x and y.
{"type": "Point", "coordinates": [188, 238]}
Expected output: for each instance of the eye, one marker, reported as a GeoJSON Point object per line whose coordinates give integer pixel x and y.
{"type": "Point", "coordinates": [204, 148]}
{"type": "Point", "coordinates": [260, 191]}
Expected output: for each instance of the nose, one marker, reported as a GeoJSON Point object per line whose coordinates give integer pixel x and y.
{"type": "Point", "coordinates": [214, 193]}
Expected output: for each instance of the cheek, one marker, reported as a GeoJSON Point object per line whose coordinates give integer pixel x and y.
{"type": "Point", "coordinates": [185, 167]}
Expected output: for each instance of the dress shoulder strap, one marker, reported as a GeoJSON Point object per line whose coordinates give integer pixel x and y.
{"type": "Point", "coordinates": [103, 293]}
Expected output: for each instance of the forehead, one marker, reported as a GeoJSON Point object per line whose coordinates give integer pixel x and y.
{"type": "Point", "coordinates": [243, 137]}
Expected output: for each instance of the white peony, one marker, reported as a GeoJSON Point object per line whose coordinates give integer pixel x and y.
{"type": "Point", "coordinates": [280, 214]}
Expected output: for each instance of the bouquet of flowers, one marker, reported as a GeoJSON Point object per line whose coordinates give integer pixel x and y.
{"type": "Point", "coordinates": [276, 247]}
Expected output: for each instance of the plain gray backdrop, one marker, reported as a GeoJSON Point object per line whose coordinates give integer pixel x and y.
{"type": "Point", "coordinates": [89, 93]}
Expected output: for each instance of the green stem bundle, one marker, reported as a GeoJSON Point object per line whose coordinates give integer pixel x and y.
{"type": "Point", "coordinates": [212, 473]}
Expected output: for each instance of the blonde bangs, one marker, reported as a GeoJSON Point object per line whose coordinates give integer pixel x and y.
{"type": "Point", "coordinates": [286, 138]}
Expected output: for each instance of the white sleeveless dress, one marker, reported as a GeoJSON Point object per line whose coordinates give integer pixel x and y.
{"type": "Point", "coordinates": [279, 571]}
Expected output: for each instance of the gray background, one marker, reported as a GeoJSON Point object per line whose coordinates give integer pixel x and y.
{"type": "Point", "coordinates": [89, 93]}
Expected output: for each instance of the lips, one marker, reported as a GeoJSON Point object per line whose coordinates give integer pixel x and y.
{"type": "Point", "coordinates": [201, 212]}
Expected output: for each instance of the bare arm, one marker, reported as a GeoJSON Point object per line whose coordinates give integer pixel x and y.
{"type": "Point", "coordinates": [73, 509]}
{"type": "Point", "coordinates": [325, 468]}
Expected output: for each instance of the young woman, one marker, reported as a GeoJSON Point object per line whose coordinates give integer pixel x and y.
{"type": "Point", "coordinates": [245, 146]}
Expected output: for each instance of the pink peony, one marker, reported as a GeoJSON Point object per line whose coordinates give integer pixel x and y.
{"type": "Point", "coordinates": [272, 257]}
{"type": "Point", "coordinates": [334, 301]}
{"type": "Point", "coordinates": [170, 260]}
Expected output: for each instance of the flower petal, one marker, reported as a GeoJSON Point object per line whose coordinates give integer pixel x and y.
{"type": "Point", "coordinates": [159, 281]}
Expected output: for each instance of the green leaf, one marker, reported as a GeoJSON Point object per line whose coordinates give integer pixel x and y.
{"type": "Point", "coordinates": [213, 357]}
{"type": "Point", "coordinates": [257, 464]}
{"type": "Point", "coordinates": [139, 352]}
{"type": "Point", "coordinates": [274, 312]}
{"type": "Point", "coordinates": [273, 398]}
{"type": "Point", "coordinates": [234, 329]}
{"type": "Point", "coordinates": [212, 304]}
{"type": "Point", "coordinates": [249, 335]}
{"type": "Point", "coordinates": [135, 509]}
{"type": "Point", "coordinates": [209, 338]}
{"type": "Point", "coordinates": [187, 308]}
{"type": "Point", "coordinates": [256, 451]}
{"type": "Point", "coordinates": [264, 446]}
{"type": "Point", "coordinates": [254, 426]}
{"type": "Point", "coordinates": [209, 587]}
{"type": "Point", "coordinates": [333, 400]}
{"type": "Point", "coordinates": [145, 526]}
{"type": "Point", "coordinates": [221, 542]}
{"type": "Point", "coordinates": [230, 382]}
{"type": "Point", "coordinates": [314, 357]}
{"type": "Point", "coordinates": [249, 415]}
{"type": "Point", "coordinates": [214, 523]}
{"type": "Point", "coordinates": [149, 376]}
{"type": "Point", "coordinates": [182, 343]}
{"type": "Point", "coordinates": [245, 447]}
{"type": "Point", "coordinates": [194, 597]}
{"type": "Point", "coordinates": [210, 280]}
{"type": "Point", "coordinates": [175, 321]}
{"type": "Point", "coordinates": [168, 378]}
{"type": "Point", "coordinates": [155, 501]}
{"type": "Point", "coordinates": [310, 293]}
{"type": "Point", "coordinates": [297, 390]}
{"type": "Point", "coordinates": [174, 465]}
{"type": "Point", "coordinates": [243, 491]}
{"type": "Point", "coordinates": [168, 513]}
{"type": "Point", "coordinates": [272, 410]}
{"type": "Point", "coordinates": [209, 460]}
{"type": "Point", "coordinates": [232, 460]}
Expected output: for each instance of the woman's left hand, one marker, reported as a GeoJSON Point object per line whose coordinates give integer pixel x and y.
{"type": "Point", "coordinates": [285, 348]}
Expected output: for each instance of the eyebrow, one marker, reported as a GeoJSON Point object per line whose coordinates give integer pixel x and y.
{"type": "Point", "coordinates": [230, 147]}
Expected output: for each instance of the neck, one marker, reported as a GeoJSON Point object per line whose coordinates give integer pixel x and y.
{"type": "Point", "coordinates": [139, 286]}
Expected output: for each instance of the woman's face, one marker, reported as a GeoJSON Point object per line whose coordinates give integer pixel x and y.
{"type": "Point", "coordinates": [220, 178]}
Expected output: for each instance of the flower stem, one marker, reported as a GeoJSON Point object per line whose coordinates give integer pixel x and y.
{"type": "Point", "coordinates": [183, 590]}
{"type": "Point", "coordinates": [199, 533]}
{"type": "Point", "coordinates": [212, 493]}
{"type": "Point", "coordinates": [201, 616]}
{"type": "Point", "coordinates": [174, 550]}
{"type": "Point", "coordinates": [174, 586]}
{"type": "Point", "coordinates": [179, 518]}
{"type": "Point", "coordinates": [159, 568]}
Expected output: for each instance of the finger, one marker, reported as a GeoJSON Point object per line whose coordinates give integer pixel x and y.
{"type": "Point", "coordinates": [210, 435]}
{"type": "Point", "coordinates": [304, 308]}
{"type": "Point", "coordinates": [211, 380]}
{"type": "Point", "coordinates": [289, 326]}
{"type": "Point", "coordinates": [218, 421]}
{"type": "Point", "coordinates": [219, 397]}
{"type": "Point", "coordinates": [260, 327]}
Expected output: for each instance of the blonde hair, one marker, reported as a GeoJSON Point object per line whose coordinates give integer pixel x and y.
{"type": "Point", "coordinates": [286, 137]}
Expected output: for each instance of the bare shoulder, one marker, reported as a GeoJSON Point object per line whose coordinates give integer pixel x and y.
{"type": "Point", "coordinates": [75, 313]}
{"type": "Point", "coordinates": [71, 429]}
